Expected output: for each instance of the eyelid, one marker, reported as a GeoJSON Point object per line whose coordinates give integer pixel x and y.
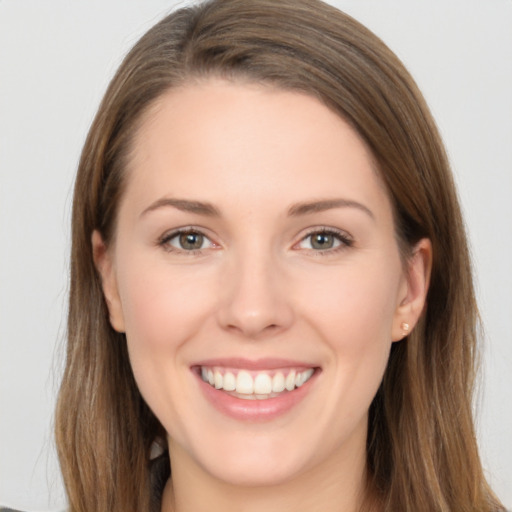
{"type": "Point", "coordinates": [346, 240]}
{"type": "Point", "coordinates": [163, 240]}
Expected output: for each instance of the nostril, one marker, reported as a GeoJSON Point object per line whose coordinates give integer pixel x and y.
{"type": "Point", "coordinates": [253, 330]}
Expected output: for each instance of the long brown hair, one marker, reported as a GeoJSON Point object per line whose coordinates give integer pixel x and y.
{"type": "Point", "coordinates": [421, 452]}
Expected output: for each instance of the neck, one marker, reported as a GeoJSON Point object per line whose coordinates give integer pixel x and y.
{"type": "Point", "coordinates": [339, 483]}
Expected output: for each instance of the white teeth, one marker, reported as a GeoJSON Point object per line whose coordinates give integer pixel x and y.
{"type": "Point", "coordinates": [244, 383]}
{"type": "Point", "coordinates": [261, 387]}
{"type": "Point", "coordinates": [229, 382]}
{"type": "Point", "coordinates": [262, 384]}
{"type": "Point", "coordinates": [290, 381]}
{"type": "Point", "coordinates": [307, 375]}
{"type": "Point", "coordinates": [217, 379]}
{"type": "Point", "coordinates": [278, 384]}
{"type": "Point", "coordinates": [301, 378]}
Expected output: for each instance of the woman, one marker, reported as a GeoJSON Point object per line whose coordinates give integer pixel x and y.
{"type": "Point", "coordinates": [271, 302]}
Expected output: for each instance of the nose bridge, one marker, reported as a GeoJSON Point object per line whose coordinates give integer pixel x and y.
{"type": "Point", "coordinates": [254, 299]}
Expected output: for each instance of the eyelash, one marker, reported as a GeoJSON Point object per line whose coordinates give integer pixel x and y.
{"type": "Point", "coordinates": [164, 240]}
{"type": "Point", "coordinates": [345, 240]}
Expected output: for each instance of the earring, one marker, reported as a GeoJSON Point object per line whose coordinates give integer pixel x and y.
{"type": "Point", "coordinates": [405, 328]}
{"type": "Point", "coordinates": [157, 448]}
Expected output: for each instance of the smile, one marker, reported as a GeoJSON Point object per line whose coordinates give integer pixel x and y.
{"type": "Point", "coordinates": [255, 385]}
{"type": "Point", "coordinates": [255, 391]}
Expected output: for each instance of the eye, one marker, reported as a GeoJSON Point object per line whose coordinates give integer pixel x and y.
{"type": "Point", "coordinates": [325, 240]}
{"type": "Point", "coordinates": [186, 240]}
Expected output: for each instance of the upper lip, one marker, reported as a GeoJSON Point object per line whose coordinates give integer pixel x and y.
{"type": "Point", "coordinates": [254, 364]}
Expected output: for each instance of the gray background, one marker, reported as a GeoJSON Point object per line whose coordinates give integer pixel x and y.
{"type": "Point", "coordinates": [56, 58]}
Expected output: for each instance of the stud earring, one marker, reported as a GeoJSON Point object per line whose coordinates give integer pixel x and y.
{"type": "Point", "coordinates": [405, 328]}
{"type": "Point", "coordinates": [157, 448]}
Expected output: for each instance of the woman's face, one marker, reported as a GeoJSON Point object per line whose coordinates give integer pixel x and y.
{"type": "Point", "coordinates": [255, 248]}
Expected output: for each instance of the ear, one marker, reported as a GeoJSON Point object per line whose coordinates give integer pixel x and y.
{"type": "Point", "coordinates": [104, 265]}
{"type": "Point", "coordinates": [413, 291]}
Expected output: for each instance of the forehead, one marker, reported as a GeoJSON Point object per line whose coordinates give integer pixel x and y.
{"type": "Point", "coordinates": [220, 140]}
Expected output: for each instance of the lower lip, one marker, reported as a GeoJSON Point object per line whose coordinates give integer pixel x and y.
{"type": "Point", "coordinates": [255, 410]}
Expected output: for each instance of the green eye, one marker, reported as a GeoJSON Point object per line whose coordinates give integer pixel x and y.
{"type": "Point", "coordinates": [323, 241]}
{"type": "Point", "coordinates": [186, 241]}
{"type": "Point", "coordinates": [190, 241]}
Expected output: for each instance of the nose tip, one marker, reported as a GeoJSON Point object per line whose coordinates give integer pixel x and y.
{"type": "Point", "coordinates": [254, 303]}
{"type": "Point", "coordinates": [251, 324]}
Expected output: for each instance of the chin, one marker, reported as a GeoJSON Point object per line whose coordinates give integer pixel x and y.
{"type": "Point", "coordinates": [252, 470]}
{"type": "Point", "coordinates": [247, 457]}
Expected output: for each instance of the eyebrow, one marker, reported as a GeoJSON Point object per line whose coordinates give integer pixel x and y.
{"type": "Point", "coordinates": [208, 210]}
{"type": "Point", "coordinates": [185, 205]}
{"type": "Point", "coordinates": [327, 204]}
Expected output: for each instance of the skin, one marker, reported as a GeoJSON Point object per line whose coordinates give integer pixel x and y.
{"type": "Point", "coordinates": [258, 288]}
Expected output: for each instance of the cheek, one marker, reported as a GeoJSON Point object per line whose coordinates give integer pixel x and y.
{"type": "Point", "coordinates": [354, 305]}
{"type": "Point", "coordinates": [353, 312]}
{"type": "Point", "coordinates": [161, 307]}
{"type": "Point", "coordinates": [163, 310]}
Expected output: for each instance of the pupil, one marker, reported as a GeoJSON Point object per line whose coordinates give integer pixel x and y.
{"type": "Point", "coordinates": [191, 241]}
{"type": "Point", "coordinates": [322, 241]}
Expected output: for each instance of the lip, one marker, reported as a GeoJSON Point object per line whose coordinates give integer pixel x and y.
{"type": "Point", "coordinates": [254, 410]}
{"type": "Point", "coordinates": [256, 364]}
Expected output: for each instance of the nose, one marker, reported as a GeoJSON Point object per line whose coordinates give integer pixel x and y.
{"type": "Point", "coordinates": [254, 300]}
